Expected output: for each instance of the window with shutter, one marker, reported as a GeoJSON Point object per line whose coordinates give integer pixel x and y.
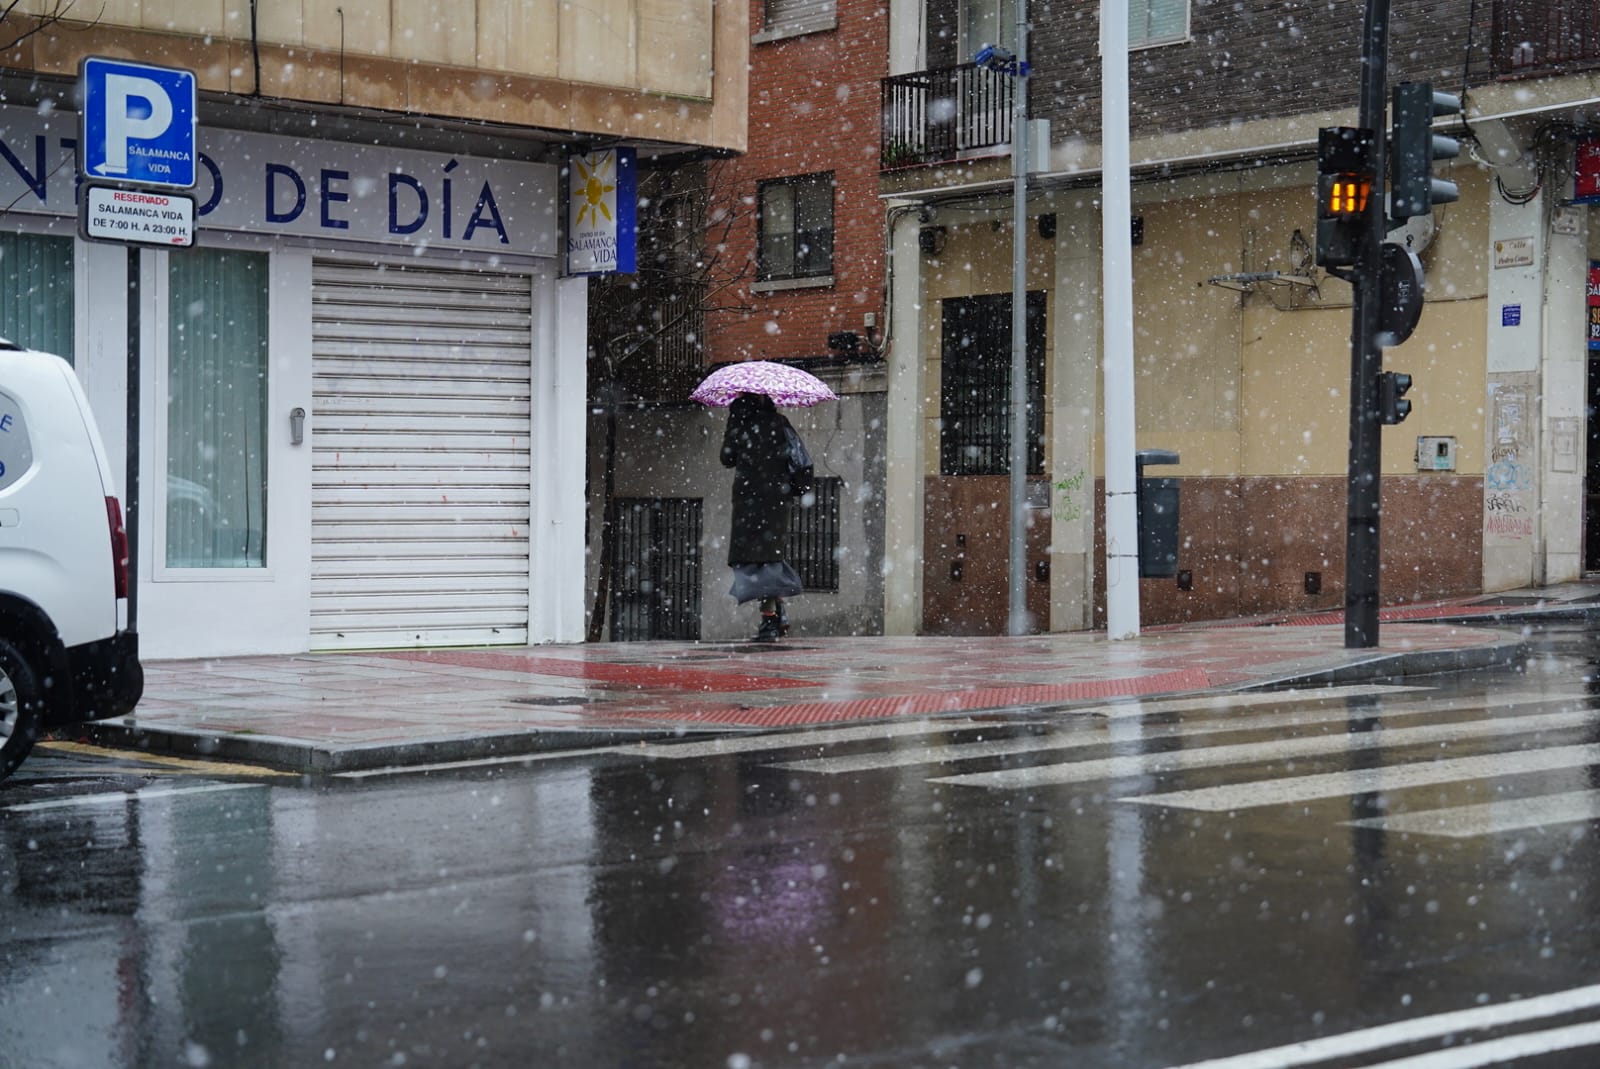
{"type": "Point", "coordinates": [1157, 22]}
{"type": "Point", "coordinates": [790, 18]}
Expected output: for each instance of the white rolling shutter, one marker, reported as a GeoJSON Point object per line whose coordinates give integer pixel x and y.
{"type": "Point", "coordinates": [421, 465]}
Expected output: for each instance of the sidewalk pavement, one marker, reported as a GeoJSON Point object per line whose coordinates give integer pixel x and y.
{"type": "Point", "coordinates": [333, 712]}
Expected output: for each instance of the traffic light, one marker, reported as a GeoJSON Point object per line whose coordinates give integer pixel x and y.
{"type": "Point", "coordinates": [1392, 405]}
{"type": "Point", "coordinates": [1344, 185]}
{"type": "Point", "coordinates": [1413, 146]}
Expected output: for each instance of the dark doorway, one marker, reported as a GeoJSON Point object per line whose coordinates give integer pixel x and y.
{"type": "Point", "coordinates": [655, 582]}
{"type": "Point", "coordinates": [967, 513]}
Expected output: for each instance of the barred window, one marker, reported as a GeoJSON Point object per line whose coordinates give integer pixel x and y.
{"type": "Point", "coordinates": [975, 385]}
{"type": "Point", "coordinates": [814, 536]}
{"type": "Point", "coordinates": [655, 578]}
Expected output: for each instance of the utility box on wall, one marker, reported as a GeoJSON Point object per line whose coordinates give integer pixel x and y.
{"type": "Point", "coordinates": [1436, 453]}
{"type": "Point", "coordinates": [1158, 516]}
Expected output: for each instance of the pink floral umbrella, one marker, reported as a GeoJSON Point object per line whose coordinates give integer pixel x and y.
{"type": "Point", "coordinates": [787, 386]}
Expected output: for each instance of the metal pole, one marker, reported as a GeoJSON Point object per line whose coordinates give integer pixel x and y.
{"type": "Point", "coordinates": [1366, 356]}
{"type": "Point", "coordinates": [1017, 583]}
{"type": "Point", "coordinates": [1116, 221]}
{"type": "Point", "coordinates": [130, 490]}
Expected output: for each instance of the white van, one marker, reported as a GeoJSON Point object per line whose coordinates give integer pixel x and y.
{"type": "Point", "coordinates": [66, 653]}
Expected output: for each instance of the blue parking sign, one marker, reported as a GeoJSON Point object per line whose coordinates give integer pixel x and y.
{"type": "Point", "coordinates": [138, 123]}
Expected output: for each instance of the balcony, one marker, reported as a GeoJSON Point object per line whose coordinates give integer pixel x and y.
{"type": "Point", "coordinates": [944, 114]}
{"type": "Point", "coordinates": [1542, 36]}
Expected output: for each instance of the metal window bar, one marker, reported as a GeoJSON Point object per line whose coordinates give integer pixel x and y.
{"type": "Point", "coordinates": [933, 115]}
{"type": "Point", "coordinates": [975, 385]}
{"type": "Point", "coordinates": [814, 536]}
{"type": "Point", "coordinates": [679, 363]}
{"type": "Point", "coordinates": [655, 579]}
{"type": "Point", "coordinates": [1537, 35]}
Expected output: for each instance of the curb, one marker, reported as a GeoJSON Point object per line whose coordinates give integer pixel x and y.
{"type": "Point", "coordinates": [296, 755]}
{"type": "Point", "coordinates": [321, 759]}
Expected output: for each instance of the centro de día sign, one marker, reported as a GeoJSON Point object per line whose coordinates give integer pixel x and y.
{"type": "Point", "coordinates": [287, 194]}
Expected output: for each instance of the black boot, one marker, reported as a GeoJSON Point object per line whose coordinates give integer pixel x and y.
{"type": "Point", "coordinates": [771, 629]}
{"type": "Point", "coordinates": [783, 619]}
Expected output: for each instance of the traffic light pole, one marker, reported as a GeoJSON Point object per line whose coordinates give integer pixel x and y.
{"type": "Point", "coordinates": [1366, 356]}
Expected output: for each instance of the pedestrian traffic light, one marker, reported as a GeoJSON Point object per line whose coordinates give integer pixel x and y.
{"type": "Point", "coordinates": [1413, 146]}
{"type": "Point", "coordinates": [1392, 405]}
{"type": "Point", "coordinates": [1344, 186]}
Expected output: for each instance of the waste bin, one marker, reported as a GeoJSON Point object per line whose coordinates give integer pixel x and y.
{"type": "Point", "coordinates": [1158, 516]}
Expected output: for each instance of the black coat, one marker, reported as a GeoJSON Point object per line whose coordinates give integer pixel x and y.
{"type": "Point", "coordinates": [754, 446]}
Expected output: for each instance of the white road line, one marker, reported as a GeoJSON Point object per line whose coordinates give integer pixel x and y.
{"type": "Point", "coordinates": [1096, 735]}
{"type": "Point", "coordinates": [121, 797]}
{"type": "Point", "coordinates": [795, 740]}
{"type": "Point", "coordinates": [1503, 1051]}
{"type": "Point", "coordinates": [1399, 1033]}
{"type": "Point", "coordinates": [483, 762]}
{"type": "Point", "coordinates": [1261, 793]}
{"type": "Point", "coordinates": [1492, 818]}
{"type": "Point", "coordinates": [1226, 702]}
{"type": "Point", "coordinates": [1253, 752]}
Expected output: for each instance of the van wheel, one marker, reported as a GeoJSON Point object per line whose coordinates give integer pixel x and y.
{"type": "Point", "coordinates": [21, 698]}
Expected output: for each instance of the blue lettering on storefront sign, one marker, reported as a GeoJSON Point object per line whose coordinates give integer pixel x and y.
{"type": "Point", "coordinates": [268, 183]}
{"type": "Point", "coordinates": [332, 196]}
{"type": "Point", "coordinates": [276, 171]}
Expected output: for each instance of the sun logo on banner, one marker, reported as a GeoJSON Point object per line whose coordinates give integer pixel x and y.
{"type": "Point", "coordinates": [595, 188]}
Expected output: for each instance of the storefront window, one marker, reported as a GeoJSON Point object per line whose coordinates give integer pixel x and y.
{"type": "Point", "coordinates": [36, 292]}
{"type": "Point", "coordinates": [216, 410]}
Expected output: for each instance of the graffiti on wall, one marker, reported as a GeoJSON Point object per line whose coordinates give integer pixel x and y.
{"type": "Point", "coordinates": [1508, 484]}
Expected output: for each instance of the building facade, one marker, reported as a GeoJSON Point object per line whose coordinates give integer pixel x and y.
{"type": "Point", "coordinates": [349, 412]}
{"type": "Point", "coordinates": [798, 230]}
{"type": "Point", "coordinates": [1242, 354]}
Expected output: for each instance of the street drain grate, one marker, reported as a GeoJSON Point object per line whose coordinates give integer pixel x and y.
{"type": "Point", "coordinates": [543, 699]}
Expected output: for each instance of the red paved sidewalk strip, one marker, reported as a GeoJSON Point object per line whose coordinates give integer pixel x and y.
{"type": "Point", "coordinates": [637, 676]}
{"type": "Point", "coordinates": [326, 712]}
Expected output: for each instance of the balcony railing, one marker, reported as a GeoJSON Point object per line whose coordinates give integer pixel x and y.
{"type": "Point", "coordinates": [1535, 36]}
{"type": "Point", "coordinates": [937, 115]}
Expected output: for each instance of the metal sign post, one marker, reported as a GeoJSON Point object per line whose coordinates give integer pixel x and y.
{"type": "Point", "coordinates": [136, 147]}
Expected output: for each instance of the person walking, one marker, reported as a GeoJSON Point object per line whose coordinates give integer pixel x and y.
{"type": "Point", "coordinates": [757, 446]}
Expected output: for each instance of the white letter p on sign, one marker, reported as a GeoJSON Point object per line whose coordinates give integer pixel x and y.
{"type": "Point", "coordinates": [122, 127]}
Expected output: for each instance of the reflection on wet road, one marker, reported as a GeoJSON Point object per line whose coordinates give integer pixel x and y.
{"type": "Point", "coordinates": [1394, 875]}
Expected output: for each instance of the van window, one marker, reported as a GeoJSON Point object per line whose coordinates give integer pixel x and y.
{"type": "Point", "coordinates": [36, 292]}
{"type": "Point", "coordinates": [216, 411]}
{"type": "Point", "coordinates": [16, 452]}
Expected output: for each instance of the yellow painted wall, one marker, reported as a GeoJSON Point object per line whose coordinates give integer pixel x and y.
{"type": "Point", "coordinates": [1258, 384]}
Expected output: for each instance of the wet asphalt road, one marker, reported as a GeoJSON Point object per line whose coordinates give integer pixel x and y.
{"type": "Point", "coordinates": [1133, 886]}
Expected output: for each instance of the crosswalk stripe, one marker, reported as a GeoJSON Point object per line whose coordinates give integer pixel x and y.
{"type": "Point", "coordinates": [794, 740]}
{"type": "Point", "coordinates": [1260, 793]}
{"type": "Point", "coordinates": [1503, 1051]}
{"type": "Point", "coordinates": [1399, 1033]}
{"type": "Point", "coordinates": [1492, 818]}
{"type": "Point", "coordinates": [121, 797]}
{"type": "Point", "coordinates": [1097, 735]}
{"type": "Point", "coordinates": [1254, 752]}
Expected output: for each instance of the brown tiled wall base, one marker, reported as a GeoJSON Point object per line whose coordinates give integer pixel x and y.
{"type": "Point", "coordinates": [1249, 542]}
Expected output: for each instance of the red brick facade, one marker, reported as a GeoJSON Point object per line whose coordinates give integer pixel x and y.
{"type": "Point", "coordinates": [814, 107]}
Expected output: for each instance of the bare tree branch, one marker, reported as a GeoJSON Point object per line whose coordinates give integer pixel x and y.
{"type": "Point", "coordinates": [25, 25]}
